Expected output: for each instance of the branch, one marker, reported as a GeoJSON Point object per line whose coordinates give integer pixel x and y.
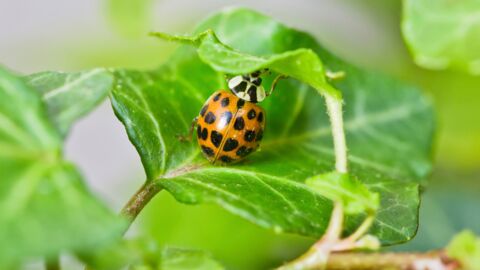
{"type": "Point", "coordinates": [391, 261]}
{"type": "Point", "coordinates": [138, 201]}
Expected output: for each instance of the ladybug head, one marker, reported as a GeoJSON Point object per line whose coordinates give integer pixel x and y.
{"type": "Point", "coordinates": [248, 87]}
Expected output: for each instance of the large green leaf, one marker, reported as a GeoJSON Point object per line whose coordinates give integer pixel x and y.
{"type": "Point", "coordinates": [388, 124]}
{"type": "Point", "coordinates": [443, 33]}
{"type": "Point", "coordinates": [69, 96]}
{"type": "Point", "coordinates": [45, 208]}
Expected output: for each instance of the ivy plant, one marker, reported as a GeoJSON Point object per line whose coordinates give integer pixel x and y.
{"type": "Point", "coordinates": [297, 183]}
{"type": "Point", "coordinates": [155, 106]}
{"type": "Point", "coordinates": [45, 207]}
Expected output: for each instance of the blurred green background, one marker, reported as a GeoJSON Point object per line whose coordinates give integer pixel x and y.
{"type": "Point", "coordinates": [75, 35]}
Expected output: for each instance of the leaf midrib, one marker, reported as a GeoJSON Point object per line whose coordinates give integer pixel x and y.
{"type": "Point", "coordinates": [353, 125]}
{"type": "Point", "coordinates": [198, 169]}
{"type": "Point", "coordinates": [56, 91]}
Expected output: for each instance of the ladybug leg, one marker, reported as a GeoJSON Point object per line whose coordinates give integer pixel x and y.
{"type": "Point", "coordinates": [274, 83]}
{"type": "Point", "coordinates": [188, 137]}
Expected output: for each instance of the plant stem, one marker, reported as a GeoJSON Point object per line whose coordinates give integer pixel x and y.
{"type": "Point", "coordinates": [362, 229]}
{"type": "Point", "coordinates": [318, 254]}
{"type": "Point", "coordinates": [334, 107]}
{"type": "Point", "coordinates": [138, 201]}
{"type": "Point", "coordinates": [390, 261]}
{"type": "Point", "coordinates": [335, 225]}
{"type": "Point", "coordinates": [52, 263]}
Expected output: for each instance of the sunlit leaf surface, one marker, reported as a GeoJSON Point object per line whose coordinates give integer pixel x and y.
{"type": "Point", "coordinates": [389, 127]}
{"type": "Point", "coordinates": [45, 208]}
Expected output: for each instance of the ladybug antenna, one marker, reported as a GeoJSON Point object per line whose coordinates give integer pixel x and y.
{"type": "Point", "coordinates": [274, 83]}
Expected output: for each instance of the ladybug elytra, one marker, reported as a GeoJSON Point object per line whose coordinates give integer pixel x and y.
{"type": "Point", "coordinates": [230, 125]}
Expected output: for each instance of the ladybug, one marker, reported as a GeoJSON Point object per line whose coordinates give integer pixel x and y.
{"type": "Point", "coordinates": [230, 125]}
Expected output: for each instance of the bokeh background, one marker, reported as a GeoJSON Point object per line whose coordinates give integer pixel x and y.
{"type": "Point", "coordinates": [71, 35]}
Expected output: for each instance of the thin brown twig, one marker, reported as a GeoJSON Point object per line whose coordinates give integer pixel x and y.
{"type": "Point", "coordinates": [138, 201]}
{"type": "Point", "coordinates": [391, 261]}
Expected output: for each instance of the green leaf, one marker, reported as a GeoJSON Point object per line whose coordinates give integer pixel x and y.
{"type": "Point", "coordinates": [45, 208]}
{"type": "Point", "coordinates": [389, 128]}
{"type": "Point", "coordinates": [302, 64]}
{"type": "Point", "coordinates": [443, 34]}
{"type": "Point", "coordinates": [465, 247]}
{"type": "Point", "coordinates": [354, 195]}
{"type": "Point", "coordinates": [69, 96]}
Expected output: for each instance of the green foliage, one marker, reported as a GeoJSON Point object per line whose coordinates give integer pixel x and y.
{"type": "Point", "coordinates": [130, 17]}
{"type": "Point", "coordinates": [145, 254]}
{"type": "Point", "coordinates": [69, 96]}
{"type": "Point", "coordinates": [302, 64]}
{"type": "Point", "coordinates": [443, 34]}
{"type": "Point", "coordinates": [381, 116]}
{"type": "Point", "coordinates": [355, 196]}
{"type": "Point", "coordinates": [45, 208]}
{"type": "Point", "coordinates": [465, 247]}
{"type": "Point", "coordinates": [180, 259]}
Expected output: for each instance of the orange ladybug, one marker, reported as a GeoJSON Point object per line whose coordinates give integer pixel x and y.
{"type": "Point", "coordinates": [230, 125]}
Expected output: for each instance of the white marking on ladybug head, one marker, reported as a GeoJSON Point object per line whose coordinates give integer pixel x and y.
{"type": "Point", "coordinates": [247, 87]}
{"type": "Point", "coordinates": [234, 82]}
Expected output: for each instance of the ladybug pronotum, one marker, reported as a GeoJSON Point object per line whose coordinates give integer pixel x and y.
{"type": "Point", "coordinates": [230, 125]}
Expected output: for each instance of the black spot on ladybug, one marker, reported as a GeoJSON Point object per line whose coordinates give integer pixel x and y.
{"type": "Point", "coordinates": [252, 92]}
{"type": "Point", "coordinates": [240, 103]}
{"type": "Point", "coordinates": [225, 102]}
{"type": "Point", "coordinates": [226, 159]}
{"type": "Point", "coordinates": [207, 150]}
{"type": "Point", "coordinates": [240, 87]}
{"type": "Point", "coordinates": [239, 123]}
{"type": "Point", "coordinates": [225, 119]}
{"type": "Point", "coordinates": [199, 131]}
{"type": "Point", "coordinates": [230, 144]}
{"type": "Point", "coordinates": [260, 117]}
{"type": "Point", "coordinates": [257, 81]}
{"type": "Point", "coordinates": [217, 97]}
{"type": "Point", "coordinates": [259, 135]}
{"type": "Point", "coordinates": [216, 138]}
{"type": "Point", "coordinates": [249, 135]}
{"type": "Point", "coordinates": [243, 151]}
{"type": "Point", "coordinates": [204, 109]}
{"type": "Point", "coordinates": [205, 133]}
{"type": "Point", "coordinates": [210, 118]}
{"type": "Point", "coordinates": [251, 114]}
